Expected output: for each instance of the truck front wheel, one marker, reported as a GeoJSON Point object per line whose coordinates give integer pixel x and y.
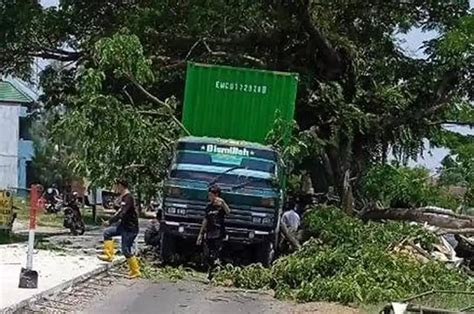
{"type": "Point", "coordinates": [167, 248]}
{"type": "Point", "coordinates": [265, 253]}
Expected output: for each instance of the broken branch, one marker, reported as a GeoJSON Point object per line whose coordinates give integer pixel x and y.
{"type": "Point", "coordinates": [159, 102]}
{"type": "Point", "coordinates": [443, 220]}
{"type": "Point", "coordinates": [455, 231]}
{"type": "Point", "coordinates": [225, 54]}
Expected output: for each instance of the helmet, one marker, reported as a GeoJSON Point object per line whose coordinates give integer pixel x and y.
{"type": "Point", "coordinates": [49, 190]}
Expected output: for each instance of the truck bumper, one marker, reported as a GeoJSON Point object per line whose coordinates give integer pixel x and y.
{"type": "Point", "coordinates": [235, 235]}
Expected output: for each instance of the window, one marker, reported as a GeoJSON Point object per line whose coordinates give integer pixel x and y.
{"type": "Point", "coordinates": [29, 174]}
{"type": "Point", "coordinates": [25, 128]}
{"type": "Point", "coordinates": [235, 171]}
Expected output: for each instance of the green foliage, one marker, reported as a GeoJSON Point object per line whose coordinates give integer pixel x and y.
{"type": "Point", "coordinates": [112, 137]}
{"type": "Point", "coordinates": [294, 146]}
{"type": "Point", "coordinates": [350, 261]}
{"type": "Point", "coordinates": [456, 45]}
{"type": "Point", "coordinates": [458, 170]}
{"type": "Point", "coordinates": [154, 273]}
{"type": "Point", "coordinates": [50, 164]}
{"type": "Point", "coordinates": [396, 186]}
{"type": "Point", "coordinates": [123, 55]}
{"type": "Point", "coordinates": [359, 92]}
{"type": "Point", "coordinates": [254, 277]}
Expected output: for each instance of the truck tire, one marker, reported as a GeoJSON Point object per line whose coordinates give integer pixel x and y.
{"type": "Point", "coordinates": [266, 253]}
{"type": "Point", "coordinates": [167, 248]}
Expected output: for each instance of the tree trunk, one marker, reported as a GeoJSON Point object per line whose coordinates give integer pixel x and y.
{"type": "Point", "coordinates": [419, 215]}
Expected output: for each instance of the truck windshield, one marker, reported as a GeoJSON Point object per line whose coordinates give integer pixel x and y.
{"type": "Point", "coordinates": [203, 166]}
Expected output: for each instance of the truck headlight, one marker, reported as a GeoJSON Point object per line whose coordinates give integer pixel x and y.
{"type": "Point", "coordinates": [181, 211]}
{"type": "Point", "coordinates": [171, 210]}
{"type": "Point", "coordinates": [257, 220]}
{"type": "Point", "coordinates": [174, 191]}
{"type": "Point", "coordinates": [267, 220]}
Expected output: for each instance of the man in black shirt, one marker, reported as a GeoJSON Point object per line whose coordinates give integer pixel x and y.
{"type": "Point", "coordinates": [127, 228]}
{"type": "Point", "coordinates": [213, 228]}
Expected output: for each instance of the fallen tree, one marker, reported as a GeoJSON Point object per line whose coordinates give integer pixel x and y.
{"type": "Point", "coordinates": [350, 261]}
{"type": "Point", "coordinates": [432, 216]}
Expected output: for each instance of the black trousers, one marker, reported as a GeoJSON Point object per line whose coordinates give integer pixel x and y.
{"type": "Point", "coordinates": [212, 251]}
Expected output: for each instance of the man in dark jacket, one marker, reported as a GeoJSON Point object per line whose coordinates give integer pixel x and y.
{"type": "Point", "coordinates": [125, 224]}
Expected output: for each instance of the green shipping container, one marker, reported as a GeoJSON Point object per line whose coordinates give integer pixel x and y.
{"type": "Point", "coordinates": [236, 103]}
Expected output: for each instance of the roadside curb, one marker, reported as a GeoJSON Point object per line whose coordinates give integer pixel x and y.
{"type": "Point", "coordinates": [62, 286]}
{"type": "Point", "coordinates": [24, 232]}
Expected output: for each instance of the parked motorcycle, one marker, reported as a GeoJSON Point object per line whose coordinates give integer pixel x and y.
{"type": "Point", "coordinates": [73, 217]}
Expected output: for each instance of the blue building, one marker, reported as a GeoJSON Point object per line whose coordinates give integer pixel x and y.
{"type": "Point", "coordinates": [16, 147]}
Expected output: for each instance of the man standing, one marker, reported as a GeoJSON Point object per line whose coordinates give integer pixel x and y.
{"type": "Point", "coordinates": [290, 224]}
{"type": "Point", "coordinates": [213, 228]}
{"type": "Point", "coordinates": [127, 228]}
{"type": "Point", "coordinates": [291, 219]}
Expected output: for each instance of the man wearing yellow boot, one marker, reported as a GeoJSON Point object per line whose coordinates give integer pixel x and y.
{"type": "Point", "coordinates": [127, 228]}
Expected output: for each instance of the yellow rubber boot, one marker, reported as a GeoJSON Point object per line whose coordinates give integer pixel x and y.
{"type": "Point", "coordinates": [134, 267]}
{"type": "Point", "coordinates": [109, 251]}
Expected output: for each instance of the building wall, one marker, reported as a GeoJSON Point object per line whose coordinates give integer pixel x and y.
{"type": "Point", "coordinates": [9, 133]}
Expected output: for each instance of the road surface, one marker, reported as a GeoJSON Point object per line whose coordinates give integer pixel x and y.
{"type": "Point", "coordinates": [181, 297]}
{"type": "Point", "coordinates": [144, 296]}
{"type": "Point", "coordinates": [110, 292]}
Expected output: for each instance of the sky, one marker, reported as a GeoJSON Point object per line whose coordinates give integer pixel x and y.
{"type": "Point", "coordinates": [412, 44]}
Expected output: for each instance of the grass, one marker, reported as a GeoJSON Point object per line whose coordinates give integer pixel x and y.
{"type": "Point", "coordinates": [9, 238]}
{"type": "Point", "coordinates": [54, 220]}
{"type": "Point", "coordinates": [22, 209]}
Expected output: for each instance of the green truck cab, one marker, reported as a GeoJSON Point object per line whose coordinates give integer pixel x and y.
{"type": "Point", "coordinates": [229, 111]}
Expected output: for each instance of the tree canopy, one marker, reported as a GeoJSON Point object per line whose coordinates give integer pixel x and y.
{"type": "Point", "coordinates": [360, 95]}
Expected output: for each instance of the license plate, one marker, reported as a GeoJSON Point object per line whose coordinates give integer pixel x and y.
{"type": "Point", "coordinates": [6, 209]}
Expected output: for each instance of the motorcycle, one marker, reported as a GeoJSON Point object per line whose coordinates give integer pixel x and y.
{"type": "Point", "coordinates": [73, 218]}
{"type": "Point", "coordinates": [53, 207]}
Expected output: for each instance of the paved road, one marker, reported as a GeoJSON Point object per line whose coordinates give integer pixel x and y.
{"type": "Point", "coordinates": [193, 297]}
{"type": "Point", "coordinates": [91, 242]}
{"type": "Point", "coordinates": [182, 297]}
{"type": "Point", "coordinates": [110, 292]}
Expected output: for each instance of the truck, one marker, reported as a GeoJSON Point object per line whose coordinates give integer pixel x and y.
{"type": "Point", "coordinates": [228, 112]}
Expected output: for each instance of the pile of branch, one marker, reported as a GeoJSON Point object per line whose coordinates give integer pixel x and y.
{"type": "Point", "coordinates": [442, 222]}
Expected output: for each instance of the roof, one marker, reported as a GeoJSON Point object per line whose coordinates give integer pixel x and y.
{"type": "Point", "coordinates": [10, 93]}
{"type": "Point", "coordinates": [215, 140]}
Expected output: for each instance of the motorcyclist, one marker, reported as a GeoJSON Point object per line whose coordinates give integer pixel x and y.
{"type": "Point", "coordinates": [52, 194]}
{"type": "Point", "coordinates": [72, 215]}
{"type": "Point", "coordinates": [74, 202]}
{"type": "Point", "coordinates": [52, 198]}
